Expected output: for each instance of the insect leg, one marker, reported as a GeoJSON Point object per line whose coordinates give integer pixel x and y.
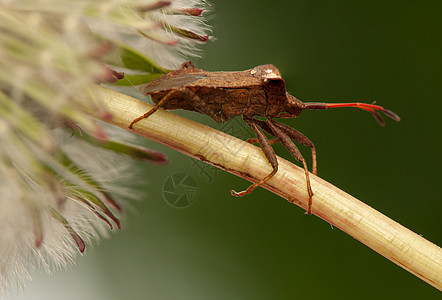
{"type": "Point", "coordinates": [268, 152]}
{"type": "Point", "coordinates": [153, 109]}
{"type": "Point", "coordinates": [266, 128]}
{"type": "Point", "coordinates": [300, 138]}
{"type": "Point", "coordinates": [187, 65]}
{"type": "Point", "coordinates": [256, 141]}
{"type": "Point", "coordinates": [292, 133]}
{"type": "Point", "coordinates": [182, 92]}
{"type": "Point", "coordinates": [293, 150]}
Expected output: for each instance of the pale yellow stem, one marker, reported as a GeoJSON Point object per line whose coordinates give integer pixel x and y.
{"type": "Point", "coordinates": [390, 239]}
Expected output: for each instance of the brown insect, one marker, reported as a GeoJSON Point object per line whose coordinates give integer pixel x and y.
{"type": "Point", "coordinates": [256, 92]}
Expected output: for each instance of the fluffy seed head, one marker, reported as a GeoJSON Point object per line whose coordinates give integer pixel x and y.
{"type": "Point", "coordinates": [55, 189]}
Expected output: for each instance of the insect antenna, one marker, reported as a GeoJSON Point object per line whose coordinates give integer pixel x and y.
{"type": "Point", "coordinates": [372, 108]}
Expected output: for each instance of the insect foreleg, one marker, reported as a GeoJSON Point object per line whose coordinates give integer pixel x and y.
{"type": "Point", "coordinates": [293, 150]}
{"type": "Point", "coordinates": [268, 152]}
{"type": "Point", "coordinates": [266, 128]}
{"type": "Point", "coordinates": [292, 133]}
{"type": "Point", "coordinates": [300, 138]}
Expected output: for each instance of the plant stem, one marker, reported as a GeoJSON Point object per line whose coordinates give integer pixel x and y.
{"type": "Point", "coordinates": [390, 239]}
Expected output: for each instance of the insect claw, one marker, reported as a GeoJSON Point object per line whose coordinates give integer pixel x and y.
{"type": "Point", "coordinates": [238, 194]}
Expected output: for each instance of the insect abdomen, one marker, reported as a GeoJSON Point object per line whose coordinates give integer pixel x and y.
{"type": "Point", "coordinates": [173, 103]}
{"type": "Point", "coordinates": [223, 104]}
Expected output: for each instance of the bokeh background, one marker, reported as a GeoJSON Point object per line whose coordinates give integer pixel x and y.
{"type": "Point", "coordinates": [260, 246]}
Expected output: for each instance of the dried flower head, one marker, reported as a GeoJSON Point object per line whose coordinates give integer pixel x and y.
{"type": "Point", "coordinates": [55, 161]}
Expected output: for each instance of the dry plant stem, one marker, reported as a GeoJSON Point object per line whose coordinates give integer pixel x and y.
{"type": "Point", "coordinates": [390, 239]}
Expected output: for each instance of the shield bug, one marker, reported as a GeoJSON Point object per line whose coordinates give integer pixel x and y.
{"type": "Point", "coordinates": [256, 92]}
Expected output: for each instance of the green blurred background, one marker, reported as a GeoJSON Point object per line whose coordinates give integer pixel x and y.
{"type": "Point", "coordinates": [260, 246]}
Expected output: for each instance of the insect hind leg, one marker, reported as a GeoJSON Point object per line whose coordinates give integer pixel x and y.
{"type": "Point", "coordinates": [187, 65]}
{"type": "Point", "coordinates": [181, 92]}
